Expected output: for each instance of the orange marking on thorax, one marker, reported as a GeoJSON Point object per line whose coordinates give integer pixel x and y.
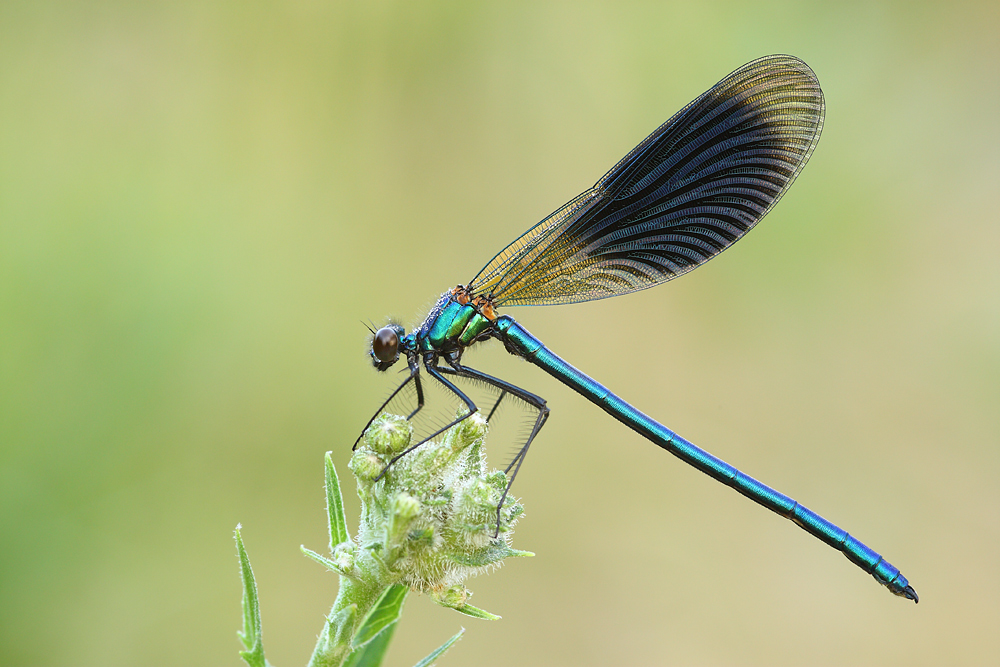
{"type": "Point", "coordinates": [483, 304]}
{"type": "Point", "coordinates": [461, 294]}
{"type": "Point", "coordinates": [485, 307]}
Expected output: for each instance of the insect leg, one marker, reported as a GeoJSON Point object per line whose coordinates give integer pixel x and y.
{"type": "Point", "coordinates": [420, 395]}
{"type": "Point", "coordinates": [470, 407]}
{"type": "Point", "coordinates": [506, 388]}
{"type": "Point", "coordinates": [415, 376]}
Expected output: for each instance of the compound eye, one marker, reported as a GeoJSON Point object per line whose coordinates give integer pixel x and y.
{"type": "Point", "coordinates": [385, 345]}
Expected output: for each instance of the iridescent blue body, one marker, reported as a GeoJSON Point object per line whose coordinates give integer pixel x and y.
{"type": "Point", "coordinates": [530, 348]}
{"type": "Point", "coordinates": [689, 191]}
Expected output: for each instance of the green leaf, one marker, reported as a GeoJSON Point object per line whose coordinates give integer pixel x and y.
{"type": "Point", "coordinates": [492, 554]}
{"type": "Point", "coordinates": [335, 506]}
{"type": "Point", "coordinates": [372, 653]}
{"type": "Point", "coordinates": [385, 612]}
{"type": "Point", "coordinates": [333, 642]}
{"type": "Point", "coordinates": [340, 624]}
{"type": "Point", "coordinates": [440, 650]}
{"type": "Point", "coordinates": [325, 562]}
{"type": "Point", "coordinates": [251, 634]}
{"type": "Point", "coordinates": [476, 612]}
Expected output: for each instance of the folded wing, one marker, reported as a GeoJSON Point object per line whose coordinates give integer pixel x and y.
{"type": "Point", "coordinates": [690, 190]}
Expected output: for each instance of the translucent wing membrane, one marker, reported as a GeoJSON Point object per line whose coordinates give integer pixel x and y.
{"type": "Point", "coordinates": [686, 193]}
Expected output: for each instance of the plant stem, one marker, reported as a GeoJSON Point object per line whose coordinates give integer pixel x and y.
{"type": "Point", "coordinates": [354, 601]}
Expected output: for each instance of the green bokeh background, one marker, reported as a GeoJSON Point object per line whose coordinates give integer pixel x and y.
{"type": "Point", "coordinates": [200, 201]}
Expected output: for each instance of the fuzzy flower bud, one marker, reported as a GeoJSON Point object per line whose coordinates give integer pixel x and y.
{"type": "Point", "coordinates": [433, 513]}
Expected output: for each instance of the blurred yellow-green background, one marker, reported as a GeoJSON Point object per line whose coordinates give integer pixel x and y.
{"type": "Point", "coordinates": [199, 202]}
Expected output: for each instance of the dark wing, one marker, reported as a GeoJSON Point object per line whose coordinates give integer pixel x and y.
{"type": "Point", "coordinates": [678, 199]}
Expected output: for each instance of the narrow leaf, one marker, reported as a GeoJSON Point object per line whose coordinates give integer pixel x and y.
{"type": "Point", "coordinates": [383, 613]}
{"type": "Point", "coordinates": [331, 647]}
{"type": "Point", "coordinates": [440, 650]}
{"type": "Point", "coordinates": [491, 554]}
{"type": "Point", "coordinates": [335, 506]}
{"type": "Point", "coordinates": [341, 625]}
{"type": "Point", "coordinates": [476, 612]}
{"type": "Point", "coordinates": [325, 562]}
{"type": "Point", "coordinates": [372, 653]}
{"type": "Point", "coordinates": [251, 633]}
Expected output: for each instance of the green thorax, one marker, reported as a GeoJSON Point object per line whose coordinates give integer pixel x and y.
{"type": "Point", "coordinates": [453, 325]}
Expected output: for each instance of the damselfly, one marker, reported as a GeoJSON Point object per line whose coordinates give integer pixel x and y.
{"type": "Point", "coordinates": [690, 190]}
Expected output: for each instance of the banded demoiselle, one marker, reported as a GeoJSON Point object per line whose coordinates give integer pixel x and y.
{"type": "Point", "coordinates": [690, 190]}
